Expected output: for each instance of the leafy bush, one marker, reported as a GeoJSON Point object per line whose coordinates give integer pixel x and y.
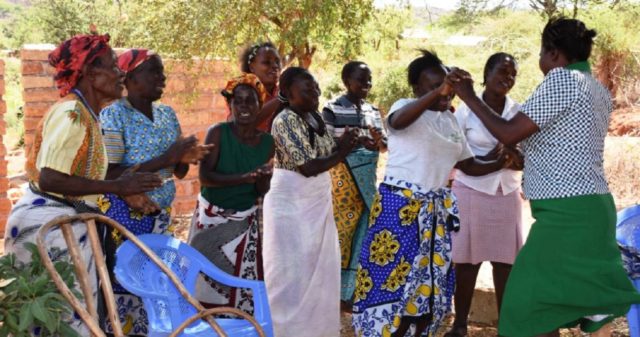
{"type": "Point", "coordinates": [29, 299]}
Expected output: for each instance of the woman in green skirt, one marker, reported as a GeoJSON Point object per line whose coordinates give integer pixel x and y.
{"type": "Point", "coordinates": [569, 272]}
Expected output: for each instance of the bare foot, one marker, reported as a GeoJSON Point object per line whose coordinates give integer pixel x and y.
{"type": "Point", "coordinates": [605, 331]}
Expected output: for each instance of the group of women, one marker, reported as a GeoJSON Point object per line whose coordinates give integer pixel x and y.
{"type": "Point", "coordinates": [288, 195]}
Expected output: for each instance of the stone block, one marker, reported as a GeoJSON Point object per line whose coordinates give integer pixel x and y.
{"type": "Point", "coordinates": [36, 109]}
{"type": "Point", "coordinates": [36, 52]}
{"type": "Point", "coordinates": [3, 166]}
{"type": "Point", "coordinates": [31, 82]}
{"type": "Point", "coordinates": [40, 95]}
{"type": "Point", "coordinates": [4, 186]}
{"type": "Point", "coordinates": [183, 205]}
{"type": "Point", "coordinates": [188, 187]}
{"type": "Point", "coordinates": [1, 68]}
{"type": "Point", "coordinates": [32, 68]}
{"type": "Point", "coordinates": [1, 86]}
{"type": "Point", "coordinates": [29, 136]}
{"type": "Point", "coordinates": [31, 122]}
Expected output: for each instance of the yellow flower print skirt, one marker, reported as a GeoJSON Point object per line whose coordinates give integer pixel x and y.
{"type": "Point", "coordinates": [405, 262]}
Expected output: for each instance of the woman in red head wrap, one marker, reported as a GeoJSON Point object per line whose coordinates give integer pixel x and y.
{"type": "Point", "coordinates": [67, 163]}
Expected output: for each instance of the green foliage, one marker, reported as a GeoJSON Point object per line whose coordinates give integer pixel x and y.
{"type": "Point", "coordinates": [186, 29]}
{"type": "Point", "coordinates": [392, 86]}
{"type": "Point", "coordinates": [13, 97]}
{"type": "Point", "coordinates": [29, 299]}
{"type": "Point", "coordinates": [615, 54]}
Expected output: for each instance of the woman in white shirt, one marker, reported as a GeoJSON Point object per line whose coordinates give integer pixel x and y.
{"type": "Point", "coordinates": [404, 274]}
{"type": "Point", "coordinates": [490, 205]}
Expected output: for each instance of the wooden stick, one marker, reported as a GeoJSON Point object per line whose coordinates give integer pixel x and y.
{"type": "Point", "coordinates": [219, 310]}
{"type": "Point", "coordinates": [80, 267]}
{"type": "Point", "coordinates": [105, 281]}
{"type": "Point", "coordinates": [86, 317]}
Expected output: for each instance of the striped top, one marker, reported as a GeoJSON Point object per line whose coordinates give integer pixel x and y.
{"type": "Point", "coordinates": [342, 112]}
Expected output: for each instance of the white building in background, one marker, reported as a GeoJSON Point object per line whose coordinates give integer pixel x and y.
{"type": "Point", "coordinates": [464, 40]}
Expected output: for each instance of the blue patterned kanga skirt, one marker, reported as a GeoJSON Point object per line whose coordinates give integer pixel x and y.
{"type": "Point", "coordinates": [405, 261]}
{"type": "Point", "coordinates": [131, 312]}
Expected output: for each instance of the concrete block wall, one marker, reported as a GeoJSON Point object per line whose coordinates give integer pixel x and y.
{"type": "Point", "coordinates": [192, 90]}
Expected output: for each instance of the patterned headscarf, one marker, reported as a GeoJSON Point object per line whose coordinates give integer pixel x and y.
{"type": "Point", "coordinates": [71, 55]}
{"type": "Point", "coordinates": [132, 58]}
{"type": "Point", "coordinates": [247, 79]}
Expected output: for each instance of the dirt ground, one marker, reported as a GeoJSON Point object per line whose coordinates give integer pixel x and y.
{"type": "Point", "coordinates": [625, 122]}
{"type": "Point", "coordinates": [478, 330]}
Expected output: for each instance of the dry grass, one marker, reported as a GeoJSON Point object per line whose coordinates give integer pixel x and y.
{"type": "Point", "coordinates": [622, 167]}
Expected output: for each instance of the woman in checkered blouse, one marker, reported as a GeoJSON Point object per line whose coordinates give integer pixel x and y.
{"type": "Point", "coordinates": [569, 272]}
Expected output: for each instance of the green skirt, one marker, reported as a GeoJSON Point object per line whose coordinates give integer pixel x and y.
{"type": "Point", "coordinates": [570, 267]}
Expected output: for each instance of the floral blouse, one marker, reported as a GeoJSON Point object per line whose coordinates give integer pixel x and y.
{"type": "Point", "coordinates": [132, 138]}
{"type": "Point", "coordinates": [293, 144]}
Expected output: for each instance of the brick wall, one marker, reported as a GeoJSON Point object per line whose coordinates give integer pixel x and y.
{"type": "Point", "coordinates": [192, 90]}
{"type": "Point", "coordinates": [5, 204]}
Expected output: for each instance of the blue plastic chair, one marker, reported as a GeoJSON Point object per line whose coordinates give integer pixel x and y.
{"type": "Point", "coordinates": [628, 236]}
{"type": "Point", "coordinates": [168, 309]}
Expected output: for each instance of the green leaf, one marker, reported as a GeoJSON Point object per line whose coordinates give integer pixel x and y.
{"type": "Point", "coordinates": [67, 331]}
{"type": "Point", "coordinates": [26, 318]}
{"type": "Point", "coordinates": [38, 310]}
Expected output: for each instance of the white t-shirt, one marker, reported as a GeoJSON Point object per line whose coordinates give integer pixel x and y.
{"type": "Point", "coordinates": [482, 142]}
{"type": "Point", "coordinates": [425, 152]}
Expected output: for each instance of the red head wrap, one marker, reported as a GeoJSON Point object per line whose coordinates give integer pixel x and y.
{"type": "Point", "coordinates": [132, 58]}
{"type": "Point", "coordinates": [71, 55]}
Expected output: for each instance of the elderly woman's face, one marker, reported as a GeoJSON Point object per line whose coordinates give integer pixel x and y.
{"type": "Point", "coordinates": [148, 79]}
{"type": "Point", "coordinates": [108, 79]}
{"type": "Point", "coordinates": [266, 65]}
{"type": "Point", "coordinates": [245, 105]}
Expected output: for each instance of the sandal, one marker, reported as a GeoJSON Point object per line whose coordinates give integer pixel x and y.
{"type": "Point", "coordinates": [457, 331]}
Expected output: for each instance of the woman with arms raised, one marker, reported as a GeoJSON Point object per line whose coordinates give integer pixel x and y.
{"type": "Point", "coordinates": [404, 277]}
{"type": "Point", "coordinates": [569, 271]}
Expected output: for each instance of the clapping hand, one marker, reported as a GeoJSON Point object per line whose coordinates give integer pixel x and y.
{"type": "Point", "coordinates": [141, 203]}
{"type": "Point", "coordinates": [348, 140]}
{"type": "Point", "coordinates": [185, 150]}
{"type": "Point", "coordinates": [375, 141]}
{"type": "Point", "coordinates": [132, 182]}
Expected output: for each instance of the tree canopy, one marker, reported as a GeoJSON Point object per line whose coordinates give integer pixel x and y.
{"type": "Point", "coordinates": [207, 28]}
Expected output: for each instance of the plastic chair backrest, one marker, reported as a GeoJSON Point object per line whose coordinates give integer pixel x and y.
{"type": "Point", "coordinates": [166, 306]}
{"type": "Point", "coordinates": [628, 227]}
{"type": "Point", "coordinates": [139, 275]}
